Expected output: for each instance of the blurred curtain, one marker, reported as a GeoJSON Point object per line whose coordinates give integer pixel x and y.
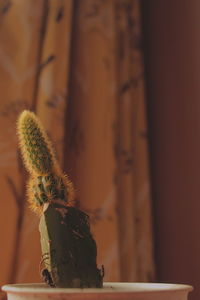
{"type": "Point", "coordinates": [79, 66]}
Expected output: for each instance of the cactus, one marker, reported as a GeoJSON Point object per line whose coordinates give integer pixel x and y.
{"type": "Point", "coordinates": [68, 248]}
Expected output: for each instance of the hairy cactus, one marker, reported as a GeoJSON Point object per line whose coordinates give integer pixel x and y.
{"type": "Point", "coordinates": [68, 248]}
{"type": "Point", "coordinates": [47, 182]}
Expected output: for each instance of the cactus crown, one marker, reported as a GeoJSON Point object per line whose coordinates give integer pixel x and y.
{"type": "Point", "coordinates": [35, 146]}
{"type": "Point", "coordinates": [47, 182]}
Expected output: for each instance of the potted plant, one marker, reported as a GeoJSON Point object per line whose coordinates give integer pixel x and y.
{"type": "Point", "coordinates": [68, 263]}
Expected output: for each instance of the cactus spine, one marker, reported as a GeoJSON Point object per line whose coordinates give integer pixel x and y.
{"type": "Point", "coordinates": [68, 248]}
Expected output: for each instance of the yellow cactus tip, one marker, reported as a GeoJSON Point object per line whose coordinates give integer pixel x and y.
{"type": "Point", "coordinates": [36, 148]}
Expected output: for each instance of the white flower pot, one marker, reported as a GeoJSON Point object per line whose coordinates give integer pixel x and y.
{"type": "Point", "coordinates": [110, 291]}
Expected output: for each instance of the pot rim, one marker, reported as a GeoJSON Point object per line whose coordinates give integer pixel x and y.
{"type": "Point", "coordinates": [108, 287]}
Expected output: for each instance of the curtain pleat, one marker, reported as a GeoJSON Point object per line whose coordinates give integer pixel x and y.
{"type": "Point", "coordinates": [141, 177]}
{"type": "Point", "coordinates": [20, 23]}
{"type": "Point", "coordinates": [91, 117]}
{"type": "Point", "coordinates": [79, 66]}
{"type": "Point", "coordinates": [52, 91]}
{"type": "Point", "coordinates": [124, 144]}
{"type": "Point", "coordinates": [132, 148]}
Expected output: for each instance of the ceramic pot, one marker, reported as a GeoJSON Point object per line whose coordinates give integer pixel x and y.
{"type": "Point", "coordinates": [110, 291]}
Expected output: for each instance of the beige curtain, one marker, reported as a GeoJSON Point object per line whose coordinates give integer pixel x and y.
{"type": "Point", "coordinates": [79, 65]}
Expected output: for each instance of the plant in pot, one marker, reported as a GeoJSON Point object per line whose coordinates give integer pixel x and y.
{"type": "Point", "coordinates": [68, 264]}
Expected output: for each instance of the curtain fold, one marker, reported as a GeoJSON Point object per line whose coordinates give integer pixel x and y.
{"type": "Point", "coordinates": [91, 116]}
{"type": "Point", "coordinates": [19, 43]}
{"type": "Point", "coordinates": [79, 66]}
{"type": "Point", "coordinates": [133, 192]}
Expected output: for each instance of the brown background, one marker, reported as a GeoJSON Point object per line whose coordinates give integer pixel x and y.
{"type": "Point", "coordinates": [79, 66]}
{"type": "Point", "coordinates": [173, 67]}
